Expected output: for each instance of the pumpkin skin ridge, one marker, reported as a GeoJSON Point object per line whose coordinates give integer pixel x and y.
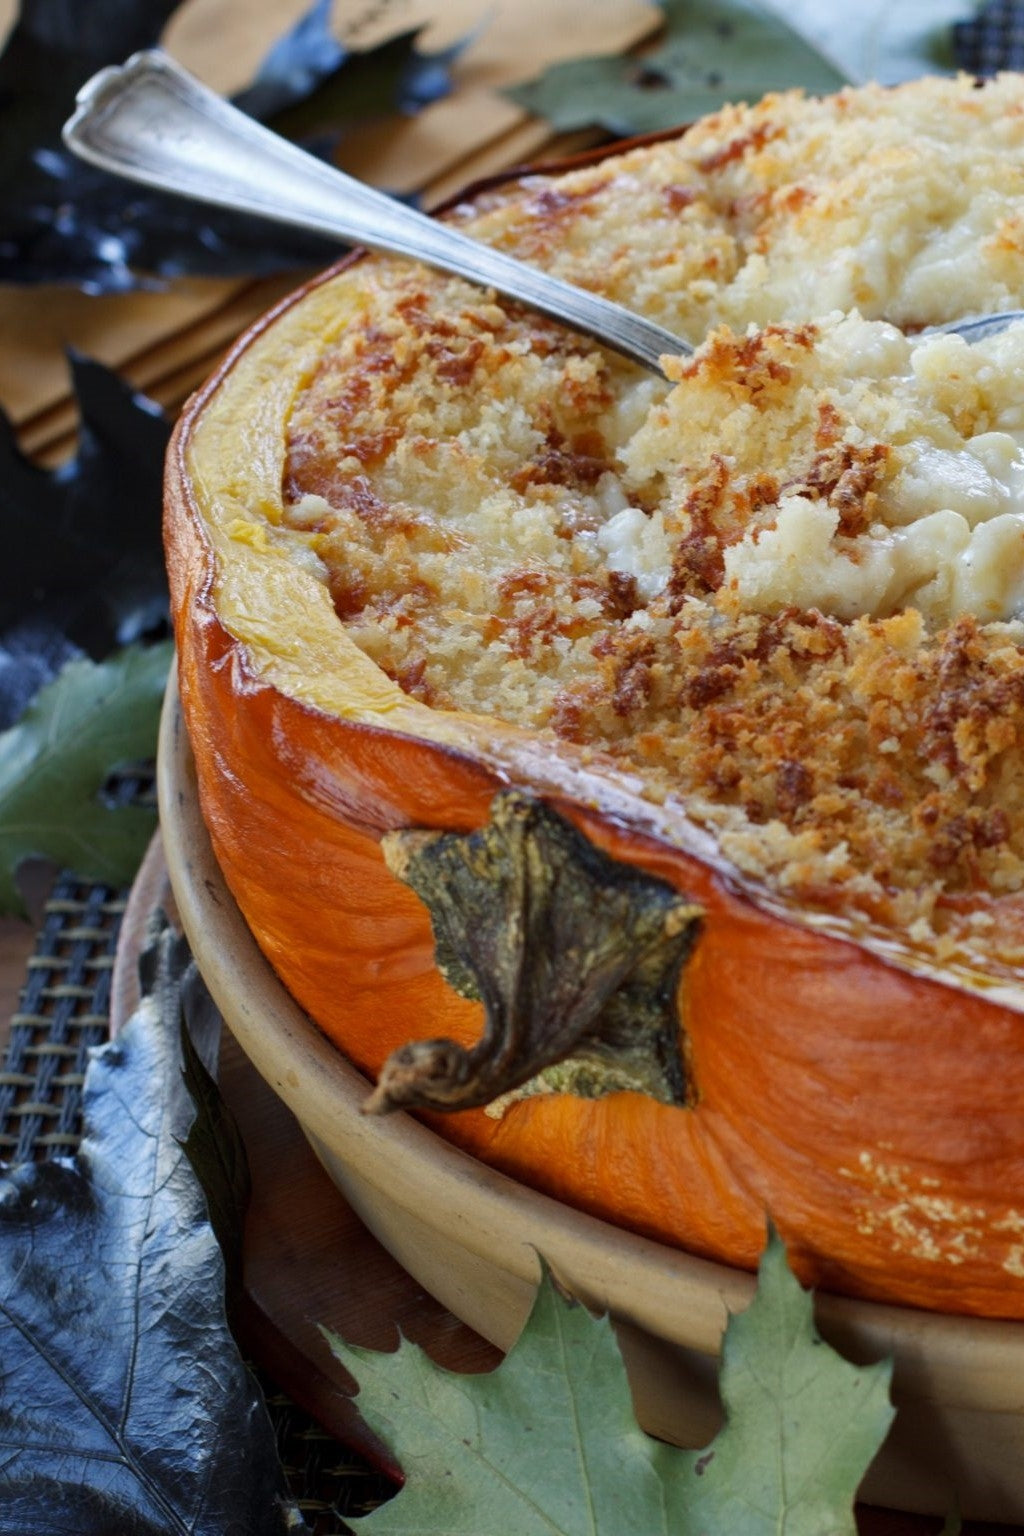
{"type": "Point", "coordinates": [212, 661]}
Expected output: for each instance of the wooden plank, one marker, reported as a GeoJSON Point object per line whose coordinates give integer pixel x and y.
{"type": "Point", "coordinates": [473, 132]}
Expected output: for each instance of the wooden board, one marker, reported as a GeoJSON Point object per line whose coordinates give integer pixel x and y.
{"type": "Point", "coordinates": [166, 342]}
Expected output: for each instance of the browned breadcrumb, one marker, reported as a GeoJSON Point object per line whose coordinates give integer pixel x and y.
{"type": "Point", "coordinates": [848, 724]}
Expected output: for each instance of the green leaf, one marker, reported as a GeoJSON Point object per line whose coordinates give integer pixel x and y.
{"type": "Point", "coordinates": [55, 761]}
{"type": "Point", "coordinates": [713, 51]}
{"type": "Point", "coordinates": [802, 1424]}
{"type": "Point", "coordinates": [883, 43]}
{"type": "Point", "coordinates": [547, 1445]}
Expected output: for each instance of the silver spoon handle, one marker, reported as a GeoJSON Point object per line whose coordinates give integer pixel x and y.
{"type": "Point", "coordinates": [151, 121]}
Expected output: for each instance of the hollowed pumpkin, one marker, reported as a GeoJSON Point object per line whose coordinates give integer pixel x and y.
{"type": "Point", "coordinates": [818, 1064]}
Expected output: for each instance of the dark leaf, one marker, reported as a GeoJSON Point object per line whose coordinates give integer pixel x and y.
{"type": "Point", "coordinates": [56, 761]}
{"type": "Point", "coordinates": [64, 221]}
{"type": "Point", "coordinates": [214, 1144]}
{"type": "Point", "coordinates": [713, 51]}
{"type": "Point", "coordinates": [31, 655]}
{"type": "Point", "coordinates": [392, 76]}
{"type": "Point", "coordinates": [175, 996]}
{"type": "Point", "coordinates": [84, 561]}
{"type": "Point", "coordinates": [124, 1405]}
{"type": "Point", "coordinates": [993, 39]}
{"type": "Point", "coordinates": [295, 65]}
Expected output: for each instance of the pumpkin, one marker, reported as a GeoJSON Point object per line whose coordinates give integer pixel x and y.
{"type": "Point", "coordinates": [617, 1013]}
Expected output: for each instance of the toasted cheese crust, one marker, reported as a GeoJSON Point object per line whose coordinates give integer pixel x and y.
{"type": "Point", "coordinates": [786, 584]}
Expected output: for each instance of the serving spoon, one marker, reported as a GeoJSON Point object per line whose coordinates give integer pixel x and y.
{"type": "Point", "coordinates": [150, 121]}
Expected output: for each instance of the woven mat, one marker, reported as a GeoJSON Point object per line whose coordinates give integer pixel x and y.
{"type": "Point", "coordinates": [65, 1009]}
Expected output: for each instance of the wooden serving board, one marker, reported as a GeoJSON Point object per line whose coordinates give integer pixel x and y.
{"type": "Point", "coordinates": [309, 1261]}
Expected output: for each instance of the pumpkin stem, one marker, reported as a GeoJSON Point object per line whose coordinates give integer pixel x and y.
{"type": "Point", "coordinates": [575, 956]}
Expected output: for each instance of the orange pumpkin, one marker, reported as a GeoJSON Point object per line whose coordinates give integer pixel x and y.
{"type": "Point", "coordinates": [864, 1097]}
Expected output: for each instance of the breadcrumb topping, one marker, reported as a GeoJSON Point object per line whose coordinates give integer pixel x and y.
{"type": "Point", "coordinates": [785, 584]}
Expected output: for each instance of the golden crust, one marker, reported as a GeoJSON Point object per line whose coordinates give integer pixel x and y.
{"type": "Point", "coordinates": [733, 589]}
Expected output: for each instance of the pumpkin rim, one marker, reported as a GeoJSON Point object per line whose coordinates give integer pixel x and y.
{"type": "Point", "coordinates": [558, 770]}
